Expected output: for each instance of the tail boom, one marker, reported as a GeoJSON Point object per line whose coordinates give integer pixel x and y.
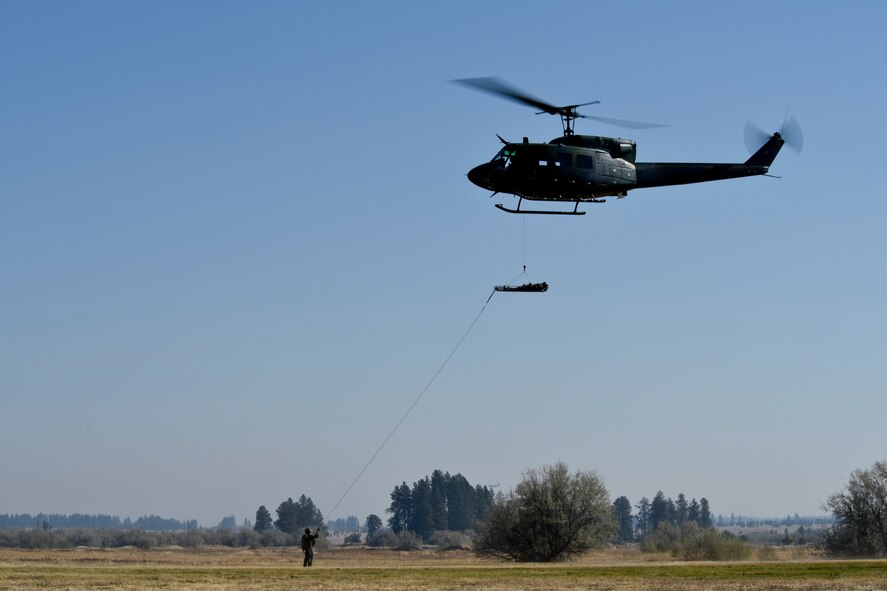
{"type": "Point", "coordinates": [661, 174]}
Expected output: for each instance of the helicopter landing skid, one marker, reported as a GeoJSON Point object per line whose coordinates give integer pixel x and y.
{"type": "Point", "coordinates": [540, 211]}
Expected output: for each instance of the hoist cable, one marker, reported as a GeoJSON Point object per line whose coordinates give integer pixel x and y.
{"type": "Point", "coordinates": [525, 242]}
{"type": "Point", "coordinates": [516, 278]}
{"type": "Point", "coordinates": [415, 402]}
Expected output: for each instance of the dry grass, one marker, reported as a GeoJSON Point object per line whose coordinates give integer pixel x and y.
{"type": "Point", "coordinates": [351, 569]}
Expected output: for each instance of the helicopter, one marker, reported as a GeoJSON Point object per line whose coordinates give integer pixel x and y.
{"type": "Point", "coordinates": [588, 168]}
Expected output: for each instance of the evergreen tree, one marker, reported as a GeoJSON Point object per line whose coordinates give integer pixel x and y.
{"type": "Point", "coordinates": [461, 503]}
{"type": "Point", "coordinates": [659, 511]}
{"type": "Point", "coordinates": [682, 510]}
{"type": "Point", "coordinates": [401, 508]}
{"type": "Point", "coordinates": [705, 513]}
{"type": "Point", "coordinates": [439, 516]}
{"type": "Point", "coordinates": [307, 514]}
{"type": "Point", "coordinates": [374, 524]}
{"type": "Point", "coordinates": [155, 523]}
{"type": "Point", "coordinates": [643, 518]}
{"type": "Point", "coordinates": [422, 521]}
{"type": "Point", "coordinates": [287, 517]}
{"type": "Point", "coordinates": [483, 502]}
{"type": "Point", "coordinates": [293, 517]}
{"type": "Point", "coordinates": [693, 512]}
{"type": "Point", "coordinates": [622, 515]}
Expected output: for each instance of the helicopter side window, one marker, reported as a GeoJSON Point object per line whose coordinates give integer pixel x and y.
{"type": "Point", "coordinates": [584, 161]}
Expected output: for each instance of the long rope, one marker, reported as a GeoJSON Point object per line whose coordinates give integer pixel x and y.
{"type": "Point", "coordinates": [415, 402]}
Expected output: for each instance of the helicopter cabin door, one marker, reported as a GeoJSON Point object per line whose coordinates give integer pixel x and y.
{"type": "Point", "coordinates": [614, 172]}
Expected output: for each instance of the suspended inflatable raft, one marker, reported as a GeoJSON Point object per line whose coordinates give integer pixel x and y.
{"type": "Point", "coordinates": [526, 287]}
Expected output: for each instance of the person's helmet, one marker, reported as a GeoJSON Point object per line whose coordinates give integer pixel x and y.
{"type": "Point", "coordinates": [307, 530]}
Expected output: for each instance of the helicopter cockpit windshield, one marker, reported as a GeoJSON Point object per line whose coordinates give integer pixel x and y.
{"type": "Point", "coordinates": [505, 156]}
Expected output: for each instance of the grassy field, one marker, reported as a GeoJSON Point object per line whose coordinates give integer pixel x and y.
{"type": "Point", "coordinates": [346, 569]}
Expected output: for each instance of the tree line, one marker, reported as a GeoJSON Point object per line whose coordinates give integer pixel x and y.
{"type": "Point", "coordinates": [344, 524]}
{"type": "Point", "coordinates": [441, 502]}
{"type": "Point", "coordinates": [45, 538]}
{"type": "Point", "coordinates": [787, 521]}
{"type": "Point", "coordinates": [80, 520]}
{"type": "Point", "coordinates": [293, 517]}
{"type": "Point", "coordinates": [442, 508]}
{"type": "Point", "coordinates": [652, 515]}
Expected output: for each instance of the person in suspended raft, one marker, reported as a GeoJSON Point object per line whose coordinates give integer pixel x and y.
{"type": "Point", "coordinates": [526, 287]}
{"type": "Point", "coordinates": [308, 545]}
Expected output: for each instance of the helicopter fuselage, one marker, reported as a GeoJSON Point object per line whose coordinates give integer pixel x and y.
{"type": "Point", "coordinates": [579, 168]}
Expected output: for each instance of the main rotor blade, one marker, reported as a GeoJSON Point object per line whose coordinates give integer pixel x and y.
{"type": "Point", "coordinates": [504, 90]}
{"type": "Point", "coordinates": [500, 88]}
{"type": "Point", "coordinates": [624, 122]}
{"type": "Point", "coordinates": [570, 110]}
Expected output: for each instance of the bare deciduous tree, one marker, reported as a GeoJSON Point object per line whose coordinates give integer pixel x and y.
{"type": "Point", "coordinates": [860, 512]}
{"type": "Point", "coordinates": [551, 515]}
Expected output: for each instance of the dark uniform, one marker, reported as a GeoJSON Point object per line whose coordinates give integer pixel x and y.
{"type": "Point", "coordinates": [308, 546]}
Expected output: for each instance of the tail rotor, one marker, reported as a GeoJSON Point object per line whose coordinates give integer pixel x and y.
{"type": "Point", "coordinates": [791, 132]}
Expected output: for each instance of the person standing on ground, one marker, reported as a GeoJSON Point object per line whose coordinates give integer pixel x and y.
{"type": "Point", "coordinates": [308, 545]}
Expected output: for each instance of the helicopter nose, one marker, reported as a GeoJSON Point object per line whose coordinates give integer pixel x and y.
{"type": "Point", "coordinates": [482, 177]}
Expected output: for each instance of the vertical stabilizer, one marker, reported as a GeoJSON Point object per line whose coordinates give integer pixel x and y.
{"type": "Point", "coordinates": [766, 153]}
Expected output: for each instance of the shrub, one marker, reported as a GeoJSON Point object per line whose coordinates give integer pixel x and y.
{"type": "Point", "coordinates": [693, 543]}
{"type": "Point", "coordinates": [384, 538]}
{"type": "Point", "coordinates": [450, 540]}
{"type": "Point", "coordinates": [84, 537]}
{"type": "Point", "coordinates": [407, 540]}
{"type": "Point", "coordinates": [138, 538]}
{"type": "Point", "coordinates": [248, 537]}
{"type": "Point", "coordinates": [766, 553]}
{"type": "Point", "coordinates": [710, 544]}
{"type": "Point", "coordinates": [273, 538]}
{"type": "Point", "coordinates": [35, 539]}
{"type": "Point", "coordinates": [666, 538]}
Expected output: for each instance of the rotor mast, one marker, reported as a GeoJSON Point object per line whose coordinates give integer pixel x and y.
{"type": "Point", "coordinates": [568, 115]}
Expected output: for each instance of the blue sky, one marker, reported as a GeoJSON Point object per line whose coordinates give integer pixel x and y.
{"type": "Point", "coordinates": [237, 239]}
